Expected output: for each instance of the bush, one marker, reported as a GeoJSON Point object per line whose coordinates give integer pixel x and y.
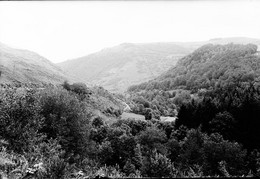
{"type": "Point", "coordinates": [78, 88]}
{"type": "Point", "coordinates": [67, 119]}
{"type": "Point", "coordinates": [20, 119]}
{"type": "Point", "coordinates": [157, 166]}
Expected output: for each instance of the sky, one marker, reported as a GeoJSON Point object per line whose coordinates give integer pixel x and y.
{"type": "Point", "coordinates": [65, 30]}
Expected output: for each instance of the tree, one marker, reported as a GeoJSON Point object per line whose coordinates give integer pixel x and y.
{"type": "Point", "coordinates": [216, 149]}
{"type": "Point", "coordinates": [129, 168]}
{"type": "Point", "coordinates": [137, 159]}
{"type": "Point", "coordinates": [152, 138]}
{"type": "Point", "coordinates": [173, 149]}
{"type": "Point", "coordinates": [97, 122]}
{"type": "Point", "coordinates": [181, 97]}
{"type": "Point", "coordinates": [191, 148]}
{"type": "Point", "coordinates": [106, 153]}
{"type": "Point", "coordinates": [148, 114]}
{"type": "Point", "coordinates": [78, 88]}
{"type": "Point", "coordinates": [223, 123]}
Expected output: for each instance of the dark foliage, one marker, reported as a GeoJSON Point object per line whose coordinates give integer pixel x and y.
{"type": "Point", "coordinates": [232, 111]}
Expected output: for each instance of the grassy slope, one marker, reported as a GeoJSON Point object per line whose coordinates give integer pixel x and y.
{"type": "Point", "coordinates": [27, 67]}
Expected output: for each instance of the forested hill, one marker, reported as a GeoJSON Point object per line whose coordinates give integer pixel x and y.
{"type": "Point", "coordinates": [209, 66]}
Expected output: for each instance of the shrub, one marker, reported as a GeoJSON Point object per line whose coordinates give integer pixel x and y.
{"type": "Point", "coordinates": [20, 119]}
{"type": "Point", "coordinates": [129, 168]}
{"type": "Point", "coordinates": [67, 119]}
{"type": "Point", "coordinates": [78, 88]}
{"type": "Point", "coordinates": [157, 166]}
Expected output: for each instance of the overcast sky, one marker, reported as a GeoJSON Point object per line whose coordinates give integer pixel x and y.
{"type": "Point", "coordinates": [69, 29]}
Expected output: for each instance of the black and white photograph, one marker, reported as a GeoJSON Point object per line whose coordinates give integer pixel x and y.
{"type": "Point", "coordinates": [129, 89]}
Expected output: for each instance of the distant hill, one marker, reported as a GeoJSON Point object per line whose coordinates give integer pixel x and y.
{"type": "Point", "coordinates": [23, 66]}
{"type": "Point", "coordinates": [209, 66]}
{"type": "Point", "coordinates": [119, 67]}
{"type": "Point", "coordinates": [236, 40]}
{"type": "Point", "coordinates": [127, 64]}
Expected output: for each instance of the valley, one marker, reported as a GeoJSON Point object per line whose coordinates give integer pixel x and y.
{"type": "Point", "coordinates": [129, 89]}
{"type": "Point", "coordinates": [146, 110]}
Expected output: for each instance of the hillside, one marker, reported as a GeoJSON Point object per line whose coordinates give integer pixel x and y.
{"type": "Point", "coordinates": [209, 66]}
{"type": "Point", "coordinates": [23, 66]}
{"type": "Point", "coordinates": [118, 67]}
{"type": "Point", "coordinates": [104, 104]}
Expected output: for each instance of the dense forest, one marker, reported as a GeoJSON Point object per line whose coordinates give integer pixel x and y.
{"type": "Point", "coordinates": [54, 131]}
{"type": "Point", "coordinates": [207, 68]}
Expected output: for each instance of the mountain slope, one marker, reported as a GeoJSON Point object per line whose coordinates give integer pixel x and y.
{"type": "Point", "coordinates": [24, 66]}
{"type": "Point", "coordinates": [118, 67]}
{"type": "Point", "coordinates": [208, 66]}
{"type": "Point", "coordinates": [128, 64]}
